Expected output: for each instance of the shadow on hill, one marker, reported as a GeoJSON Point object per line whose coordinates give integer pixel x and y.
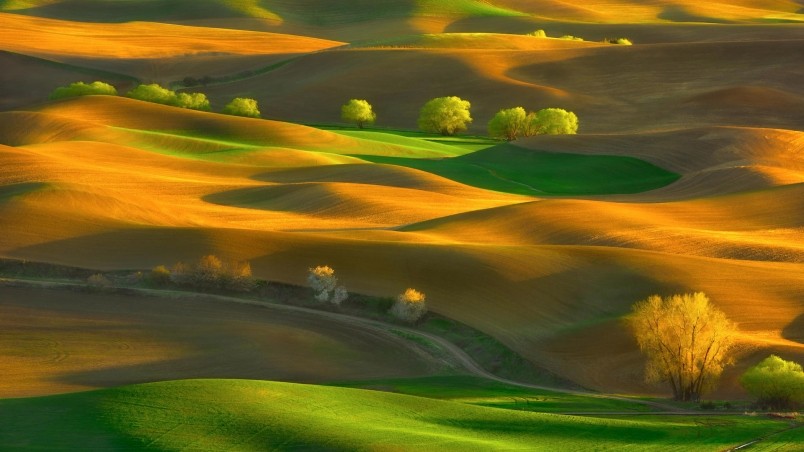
{"type": "Point", "coordinates": [677, 13]}
{"type": "Point", "coordinates": [332, 13]}
{"type": "Point", "coordinates": [127, 11]}
{"type": "Point", "coordinates": [795, 331]}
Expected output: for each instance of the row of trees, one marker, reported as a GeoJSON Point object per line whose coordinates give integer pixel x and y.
{"type": "Point", "coordinates": [450, 115]}
{"type": "Point", "coordinates": [618, 41]}
{"type": "Point", "coordinates": [409, 306]}
{"type": "Point", "coordinates": [209, 272]}
{"type": "Point", "coordinates": [688, 342]}
{"type": "Point", "coordinates": [157, 94]}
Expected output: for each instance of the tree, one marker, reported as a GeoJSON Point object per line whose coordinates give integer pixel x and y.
{"type": "Point", "coordinates": [554, 121]}
{"type": "Point", "coordinates": [193, 101]}
{"type": "Point", "coordinates": [83, 89]}
{"type": "Point", "coordinates": [409, 306]}
{"type": "Point", "coordinates": [687, 341]}
{"type": "Point", "coordinates": [242, 106]}
{"type": "Point", "coordinates": [153, 93]}
{"type": "Point", "coordinates": [776, 383]}
{"type": "Point", "coordinates": [445, 115]}
{"type": "Point", "coordinates": [325, 285]}
{"type": "Point", "coordinates": [538, 34]}
{"type": "Point", "coordinates": [508, 124]}
{"type": "Point", "coordinates": [359, 112]}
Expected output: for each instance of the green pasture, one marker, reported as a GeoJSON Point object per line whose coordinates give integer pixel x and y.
{"type": "Point", "coordinates": [255, 415]}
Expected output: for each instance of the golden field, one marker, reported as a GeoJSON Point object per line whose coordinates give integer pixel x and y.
{"type": "Point", "coordinates": [113, 183]}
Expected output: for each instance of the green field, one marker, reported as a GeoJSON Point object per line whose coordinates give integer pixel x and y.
{"type": "Point", "coordinates": [257, 415]}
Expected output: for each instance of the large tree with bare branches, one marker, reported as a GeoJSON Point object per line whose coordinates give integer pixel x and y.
{"type": "Point", "coordinates": [687, 342]}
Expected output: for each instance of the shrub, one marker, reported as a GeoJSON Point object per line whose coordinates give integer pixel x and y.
{"type": "Point", "coordinates": [83, 89]}
{"type": "Point", "coordinates": [359, 112]}
{"type": "Point", "coordinates": [153, 93]}
{"type": "Point", "coordinates": [99, 281]}
{"type": "Point", "coordinates": [445, 115]}
{"type": "Point", "coordinates": [409, 306]}
{"type": "Point", "coordinates": [241, 106]}
{"type": "Point", "coordinates": [325, 285]}
{"type": "Point", "coordinates": [237, 277]}
{"type": "Point", "coordinates": [193, 101]}
{"type": "Point", "coordinates": [777, 384]}
{"type": "Point", "coordinates": [554, 121]}
{"type": "Point", "coordinates": [160, 275]}
{"type": "Point", "coordinates": [508, 124]}
{"type": "Point", "coordinates": [623, 42]}
{"type": "Point", "coordinates": [571, 38]}
{"type": "Point", "coordinates": [180, 274]}
{"type": "Point", "coordinates": [538, 34]}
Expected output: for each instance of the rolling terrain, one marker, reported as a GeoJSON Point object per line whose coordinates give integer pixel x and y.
{"type": "Point", "coordinates": [687, 175]}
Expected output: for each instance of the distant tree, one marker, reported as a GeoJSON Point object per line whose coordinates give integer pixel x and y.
{"type": "Point", "coordinates": [538, 34]}
{"type": "Point", "coordinates": [623, 42]}
{"type": "Point", "coordinates": [83, 89]}
{"type": "Point", "coordinates": [445, 115]}
{"type": "Point", "coordinates": [359, 112]}
{"type": "Point", "coordinates": [237, 277]}
{"type": "Point", "coordinates": [207, 272]}
{"type": "Point", "coordinates": [571, 38]}
{"type": "Point", "coordinates": [508, 124]}
{"type": "Point", "coordinates": [409, 306]}
{"type": "Point", "coordinates": [554, 121]}
{"type": "Point", "coordinates": [206, 80]}
{"type": "Point", "coordinates": [777, 384]}
{"type": "Point", "coordinates": [99, 281]}
{"type": "Point", "coordinates": [687, 342]}
{"type": "Point", "coordinates": [193, 101]}
{"type": "Point", "coordinates": [160, 275]}
{"type": "Point", "coordinates": [241, 106]}
{"type": "Point", "coordinates": [325, 285]}
{"type": "Point", "coordinates": [153, 93]}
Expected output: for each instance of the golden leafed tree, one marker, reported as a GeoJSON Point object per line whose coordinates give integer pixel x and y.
{"type": "Point", "coordinates": [687, 341]}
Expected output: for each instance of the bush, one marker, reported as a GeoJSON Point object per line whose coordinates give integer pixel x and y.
{"type": "Point", "coordinates": [325, 285]}
{"type": "Point", "coordinates": [193, 101]}
{"type": "Point", "coordinates": [153, 93]}
{"type": "Point", "coordinates": [409, 306]}
{"type": "Point", "coordinates": [160, 275]}
{"type": "Point", "coordinates": [508, 124]}
{"type": "Point", "coordinates": [555, 121]}
{"type": "Point", "coordinates": [777, 384]}
{"type": "Point", "coordinates": [571, 38]}
{"type": "Point", "coordinates": [623, 42]}
{"type": "Point", "coordinates": [83, 89]}
{"type": "Point", "coordinates": [99, 281]}
{"type": "Point", "coordinates": [445, 115]}
{"type": "Point", "coordinates": [359, 112]}
{"type": "Point", "coordinates": [538, 34]}
{"type": "Point", "coordinates": [241, 106]}
{"type": "Point", "coordinates": [210, 272]}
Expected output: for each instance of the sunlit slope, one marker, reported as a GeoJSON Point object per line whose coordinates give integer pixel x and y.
{"type": "Point", "coordinates": [255, 415]}
{"type": "Point", "coordinates": [24, 34]}
{"type": "Point", "coordinates": [653, 87]}
{"type": "Point", "coordinates": [57, 341]}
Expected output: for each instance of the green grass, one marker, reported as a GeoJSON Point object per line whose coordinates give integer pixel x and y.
{"type": "Point", "coordinates": [483, 392]}
{"type": "Point", "coordinates": [254, 415]}
{"type": "Point", "coordinates": [511, 169]}
{"type": "Point", "coordinates": [790, 440]}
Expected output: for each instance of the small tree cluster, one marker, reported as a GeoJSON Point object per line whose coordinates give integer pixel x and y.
{"type": "Point", "coordinates": [409, 306]}
{"type": "Point", "coordinates": [325, 285]}
{"type": "Point", "coordinates": [511, 123]}
{"type": "Point", "coordinates": [159, 95]}
{"type": "Point", "coordinates": [209, 272]}
{"type": "Point", "coordinates": [571, 38]}
{"type": "Point", "coordinates": [777, 384]}
{"type": "Point", "coordinates": [359, 112]}
{"type": "Point", "coordinates": [538, 34]}
{"type": "Point", "coordinates": [83, 89]}
{"type": "Point", "coordinates": [242, 106]}
{"type": "Point", "coordinates": [445, 115]}
{"type": "Point", "coordinates": [99, 281]}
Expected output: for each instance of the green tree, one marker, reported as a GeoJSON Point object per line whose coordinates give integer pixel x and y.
{"type": "Point", "coordinates": [445, 115]}
{"type": "Point", "coordinates": [776, 383]}
{"type": "Point", "coordinates": [153, 93]}
{"type": "Point", "coordinates": [83, 89]}
{"type": "Point", "coordinates": [554, 121]}
{"type": "Point", "coordinates": [242, 106]}
{"type": "Point", "coordinates": [409, 306]}
{"type": "Point", "coordinates": [687, 342]}
{"type": "Point", "coordinates": [193, 101]}
{"type": "Point", "coordinates": [359, 112]}
{"type": "Point", "coordinates": [508, 124]}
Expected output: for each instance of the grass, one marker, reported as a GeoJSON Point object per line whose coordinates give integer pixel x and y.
{"type": "Point", "coordinates": [483, 392]}
{"type": "Point", "coordinates": [258, 415]}
{"type": "Point", "coordinates": [510, 169]}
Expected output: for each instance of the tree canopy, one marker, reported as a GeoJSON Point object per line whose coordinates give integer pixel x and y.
{"type": "Point", "coordinates": [83, 89]}
{"type": "Point", "coordinates": [508, 124]}
{"type": "Point", "coordinates": [242, 106]}
{"type": "Point", "coordinates": [445, 115]}
{"type": "Point", "coordinates": [556, 121]}
{"type": "Point", "coordinates": [776, 383]}
{"type": "Point", "coordinates": [687, 341]}
{"type": "Point", "coordinates": [359, 112]}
